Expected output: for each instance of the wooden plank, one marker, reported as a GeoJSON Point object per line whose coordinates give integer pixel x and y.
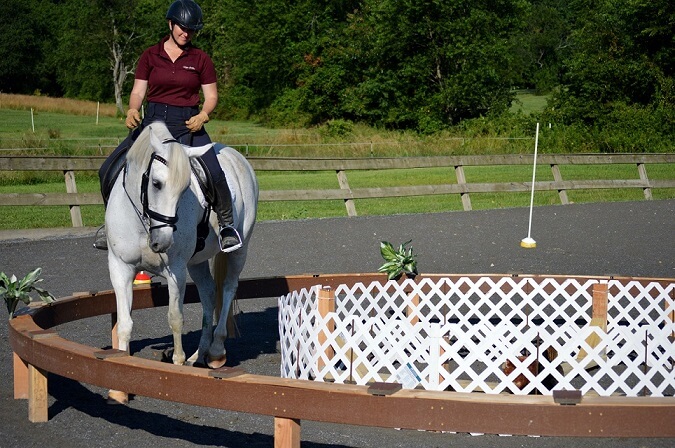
{"type": "Point", "coordinates": [286, 432]}
{"type": "Point", "coordinates": [41, 199]}
{"type": "Point", "coordinates": [56, 163]}
{"type": "Point", "coordinates": [328, 164]}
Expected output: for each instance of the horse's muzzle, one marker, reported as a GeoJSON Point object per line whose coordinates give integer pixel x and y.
{"type": "Point", "coordinates": [159, 241]}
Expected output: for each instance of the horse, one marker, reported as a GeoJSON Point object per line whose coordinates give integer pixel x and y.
{"type": "Point", "coordinates": [154, 210]}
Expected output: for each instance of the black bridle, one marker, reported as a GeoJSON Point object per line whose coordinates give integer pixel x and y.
{"type": "Point", "coordinates": [147, 215]}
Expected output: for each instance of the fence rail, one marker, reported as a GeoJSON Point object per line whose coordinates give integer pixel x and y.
{"type": "Point", "coordinates": [73, 199]}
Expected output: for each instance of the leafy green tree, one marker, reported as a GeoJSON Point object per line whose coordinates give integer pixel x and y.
{"type": "Point", "coordinates": [99, 42]}
{"type": "Point", "coordinates": [621, 57]}
{"type": "Point", "coordinates": [26, 31]}
{"type": "Point", "coordinates": [432, 64]}
{"type": "Point", "coordinates": [542, 45]}
{"type": "Point", "coordinates": [264, 50]}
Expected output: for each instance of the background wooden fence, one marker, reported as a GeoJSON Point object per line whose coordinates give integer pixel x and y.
{"type": "Point", "coordinates": [73, 199]}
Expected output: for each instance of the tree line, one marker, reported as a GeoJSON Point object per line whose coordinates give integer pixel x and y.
{"type": "Point", "coordinates": [422, 65]}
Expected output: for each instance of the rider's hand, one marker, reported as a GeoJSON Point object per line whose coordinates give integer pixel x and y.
{"type": "Point", "coordinates": [133, 119]}
{"type": "Point", "coordinates": [195, 123]}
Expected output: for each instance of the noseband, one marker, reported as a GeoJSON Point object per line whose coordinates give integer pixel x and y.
{"type": "Point", "coordinates": [147, 215]}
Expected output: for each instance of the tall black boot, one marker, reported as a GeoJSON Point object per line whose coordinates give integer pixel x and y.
{"type": "Point", "coordinates": [229, 238]}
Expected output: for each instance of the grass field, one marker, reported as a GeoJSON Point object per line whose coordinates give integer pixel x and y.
{"type": "Point", "coordinates": [77, 133]}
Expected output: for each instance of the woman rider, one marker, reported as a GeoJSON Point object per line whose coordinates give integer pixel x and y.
{"type": "Point", "coordinates": [172, 73]}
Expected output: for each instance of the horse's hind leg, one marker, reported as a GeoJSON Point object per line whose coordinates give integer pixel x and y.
{"type": "Point", "coordinates": [201, 275]}
{"type": "Point", "coordinates": [233, 264]}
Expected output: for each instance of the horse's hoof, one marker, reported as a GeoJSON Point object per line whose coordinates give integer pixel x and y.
{"type": "Point", "coordinates": [117, 397]}
{"type": "Point", "coordinates": [217, 363]}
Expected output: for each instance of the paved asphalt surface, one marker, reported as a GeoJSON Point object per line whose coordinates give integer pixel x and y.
{"type": "Point", "coordinates": [631, 239]}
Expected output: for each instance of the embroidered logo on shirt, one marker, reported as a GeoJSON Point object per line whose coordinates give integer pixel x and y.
{"type": "Point", "coordinates": [189, 67]}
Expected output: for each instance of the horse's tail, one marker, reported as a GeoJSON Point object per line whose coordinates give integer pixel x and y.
{"type": "Point", "coordinates": [219, 272]}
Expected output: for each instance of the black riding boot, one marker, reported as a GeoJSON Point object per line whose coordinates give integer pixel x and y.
{"type": "Point", "coordinates": [229, 238]}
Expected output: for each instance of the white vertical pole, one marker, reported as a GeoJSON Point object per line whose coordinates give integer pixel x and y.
{"type": "Point", "coordinates": [32, 120]}
{"type": "Point", "coordinates": [528, 242]}
{"type": "Point", "coordinates": [98, 105]}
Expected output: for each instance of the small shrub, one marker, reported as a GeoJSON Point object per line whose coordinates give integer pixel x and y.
{"type": "Point", "coordinates": [336, 129]}
{"type": "Point", "coordinates": [13, 290]}
{"type": "Point", "coordinates": [397, 262]}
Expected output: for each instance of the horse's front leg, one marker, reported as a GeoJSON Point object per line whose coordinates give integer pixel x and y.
{"type": "Point", "coordinates": [201, 275]}
{"type": "Point", "coordinates": [121, 277]}
{"type": "Point", "coordinates": [176, 280]}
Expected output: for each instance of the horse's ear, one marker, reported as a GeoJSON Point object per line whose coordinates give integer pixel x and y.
{"type": "Point", "coordinates": [154, 138]}
{"type": "Point", "coordinates": [196, 151]}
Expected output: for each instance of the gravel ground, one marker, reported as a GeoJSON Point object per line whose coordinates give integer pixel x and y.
{"type": "Point", "coordinates": [631, 238]}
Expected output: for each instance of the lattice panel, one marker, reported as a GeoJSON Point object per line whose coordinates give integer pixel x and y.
{"type": "Point", "coordinates": [509, 334]}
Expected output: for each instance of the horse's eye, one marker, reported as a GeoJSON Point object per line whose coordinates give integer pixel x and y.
{"type": "Point", "coordinates": [157, 184]}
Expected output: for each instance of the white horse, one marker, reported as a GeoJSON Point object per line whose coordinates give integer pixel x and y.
{"type": "Point", "coordinates": [152, 216]}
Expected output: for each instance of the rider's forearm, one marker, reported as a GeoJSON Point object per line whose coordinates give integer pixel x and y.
{"type": "Point", "coordinates": [210, 98]}
{"type": "Point", "coordinates": [135, 101]}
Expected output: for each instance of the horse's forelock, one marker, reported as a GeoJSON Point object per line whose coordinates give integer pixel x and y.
{"type": "Point", "coordinates": [140, 152]}
{"type": "Point", "coordinates": [179, 166]}
{"type": "Point", "coordinates": [165, 146]}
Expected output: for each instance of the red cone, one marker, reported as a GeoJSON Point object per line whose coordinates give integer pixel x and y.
{"type": "Point", "coordinates": [142, 278]}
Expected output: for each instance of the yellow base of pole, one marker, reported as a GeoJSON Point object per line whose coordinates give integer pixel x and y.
{"type": "Point", "coordinates": [528, 243]}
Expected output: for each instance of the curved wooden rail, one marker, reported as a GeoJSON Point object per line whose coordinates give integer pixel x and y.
{"type": "Point", "coordinates": [39, 349]}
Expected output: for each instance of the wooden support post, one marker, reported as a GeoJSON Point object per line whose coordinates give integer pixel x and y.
{"type": "Point", "coordinates": [414, 306]}
{"type": "Point", "coordinates": [286, 432]}
{"type": "Point", "coordinates": [461, 180]}
{"type": "Point", "coordinates": [598, 315]}
{"type": "Point", "coordinates": [71, 187]}
{"type": "Point", "coordinates": [37, 395]}
{"type": "Point", "coordinates": [20, 378]}
{"type": "Point", "coordinates": [558, 178]}
{"type": "Point", "coordinates": [326, 305]}
{"type": "Point", "coordinates": [672, 312]}
{"type": "Point", "coordinates": [642, 170]}
{"type": "Point", "coordinates": [344, 185]}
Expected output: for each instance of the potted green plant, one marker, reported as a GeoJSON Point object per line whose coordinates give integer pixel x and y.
{"type": "Point", "coordinates": [13, 290]}
{"type": "Point", "coordinates": [398, 262]}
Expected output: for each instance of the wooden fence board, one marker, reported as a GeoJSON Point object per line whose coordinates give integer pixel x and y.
{"type": "Point", "coordinates": [68, 165]}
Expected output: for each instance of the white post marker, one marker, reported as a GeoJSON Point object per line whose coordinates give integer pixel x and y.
{"type": "Point", "coordinates": [529, 242]}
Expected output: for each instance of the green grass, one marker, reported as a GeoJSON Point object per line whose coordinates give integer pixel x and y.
{"type": "Point", "coordinates": [528, 102]}
{"type": "Point", "coordinates": [54, 129]}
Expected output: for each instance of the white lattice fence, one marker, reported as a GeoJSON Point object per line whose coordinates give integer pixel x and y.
{"type": "Point", "coordinates": [608, 336]}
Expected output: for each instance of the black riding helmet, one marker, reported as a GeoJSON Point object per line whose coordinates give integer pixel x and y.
{"type": "Point", "coordinates": [187, 14]}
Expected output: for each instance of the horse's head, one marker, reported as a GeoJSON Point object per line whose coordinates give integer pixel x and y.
{"type": "Point", "coordinates": [165, 165]}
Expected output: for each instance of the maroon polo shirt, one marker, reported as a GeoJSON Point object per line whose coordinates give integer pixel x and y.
{"type": "Point", "coordinates": [175, 83]}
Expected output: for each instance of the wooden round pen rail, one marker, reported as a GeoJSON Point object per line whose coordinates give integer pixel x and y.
{"type": "Point", "coordinates": [38, 349]}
